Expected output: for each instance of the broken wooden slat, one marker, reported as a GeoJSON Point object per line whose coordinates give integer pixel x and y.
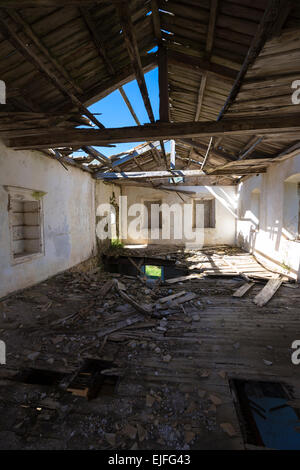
{"type": "Point", "coordinates": [267, 292]}
{"type": "Point", "coordinates": [183, 278]}
{"type": "Point", "coordinates": [243, 289]}
{"type": "Point", "coordinates": [186, 298]}
{"type": "Point", "coordinates": [172, 296]}
{"type": "Point", "coordinates": [130, 300]}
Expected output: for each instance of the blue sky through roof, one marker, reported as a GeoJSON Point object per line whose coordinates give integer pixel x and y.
{"type": "Point", "coordinates": [116, 114]}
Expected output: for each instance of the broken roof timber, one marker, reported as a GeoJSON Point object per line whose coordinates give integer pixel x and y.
{"type": "Point", "coordinates": [45, 138]}
{"type": "Point", "coordinates": [147, 174]}
{"type": "Point", "coordinates": [271, 24]}
{"type": "Point", "coordinates": [49, 3]}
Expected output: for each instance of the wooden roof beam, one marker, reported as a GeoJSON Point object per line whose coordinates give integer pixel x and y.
{"type": "Point", "coordinates": [18, 19]}
{"type": "Point", "coordinates": [147, 174]}
{"type": "Point", "coordinates": [134, 55]}
{"type": "Point", "coordinates": [64, 137]}
{"type": "Point", "coordinates": [26, 50]}
{"type": "Point", "coordinates": [93, 29]}
{"type": "Point", "coordinates": [50, 3]}
{"type": "Point", "coordinates": [271, 23]}
{"type": "Point", "coordinates": [201, 65]}
{"type": "Point", "coordinates": [164, 111]}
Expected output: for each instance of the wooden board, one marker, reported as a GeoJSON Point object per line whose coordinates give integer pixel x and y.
{"type": "Point", "coordinates": [267, 292]}
{"type": "Point", "coordinates": [243, 289]}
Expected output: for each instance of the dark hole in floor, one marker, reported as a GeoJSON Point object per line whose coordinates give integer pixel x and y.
{"type": "Point", "coordinates": [265, 415]}
{"type": "Point", "coordinates": [91, 383]}
{"type": "Point", "coordinates": [39, 377]}
{"type": "Point", "coordinates": [122, 265]}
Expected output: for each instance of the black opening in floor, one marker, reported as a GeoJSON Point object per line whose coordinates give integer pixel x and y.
{"type": "Point", "coordinates": [94, 379]}
{"type": "Point", "coordinates": [266, 416]}
{"type": "Point", "coordinates": [122, 265]}
{"type": "Point", "coordinates": [39, 377]}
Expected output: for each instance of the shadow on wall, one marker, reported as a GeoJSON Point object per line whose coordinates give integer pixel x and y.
{"type": "Point", "coordinates": [282, 235]}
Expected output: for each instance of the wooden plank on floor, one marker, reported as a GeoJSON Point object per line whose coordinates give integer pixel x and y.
{"type": "Point", "coordinates": [183, 278]}
{"type": "Point", "coordinates": [243, 289]}
{"type": "Point", "coordinates": [267, 292]}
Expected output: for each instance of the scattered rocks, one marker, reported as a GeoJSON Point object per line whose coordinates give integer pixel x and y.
{"type": "Point", "coordinates": [167, 358]}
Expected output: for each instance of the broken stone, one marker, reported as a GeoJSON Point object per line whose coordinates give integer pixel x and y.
{"type": "Point", "coordinates": [129, 431]}
{"type": "Point", "coordinates": [142, 433]}
{"type": "Point", "coordinates": [111, 439]}
{"type": "Point", "coordinates": [201, 393]}
{"type": "Point", "coordinates": [149, 400]}
{"type": "Point", "coordinates": [157, 350]}
{"type": "Point", "coordinates": [268, 363]}
{"type": "Point", "coordinates": [204, 373]}
{"type": "Point", "coordinates": [187, 320]}
{"type": "Point", "coordinates": [167, 358]}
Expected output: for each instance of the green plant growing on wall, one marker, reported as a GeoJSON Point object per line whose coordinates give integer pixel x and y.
{"type": "Point", "coordinates": [114, 203]}
{"type": "Point", "coordinates": [285, 266]}
{"type": "Point", "coordinates": [38, 195]}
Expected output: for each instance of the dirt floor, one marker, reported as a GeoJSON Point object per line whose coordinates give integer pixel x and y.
{"type": "Point", "coordinates": [165, 382]}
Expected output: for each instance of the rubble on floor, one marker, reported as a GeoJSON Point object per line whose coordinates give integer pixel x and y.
{"type": "Point", "coordinates": [137, 365]}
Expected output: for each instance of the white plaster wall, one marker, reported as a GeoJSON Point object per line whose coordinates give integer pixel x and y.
{"type": "Point", "coordinates": [225, 211]}
{"type": "Point", "coordinates": [103, 194]}
{"type": "Point", "coordinates": [270, 238]}
{"type": "Point", "coordinates": [68, 212]}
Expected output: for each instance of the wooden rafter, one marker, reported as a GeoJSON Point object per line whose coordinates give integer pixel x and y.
{"type": "Point", "coordinates": [50, 3]}
{"type": "Point", "coordinates": [94, 31]}
{"type": "Point", "coordinates": [208, 50]}
{"type": "Point", "coordinates": [9, 32]}
{"type": "Point", "coordinates": [272, 21]}
{"type": "Point", "coordinates": [134, 55]}
{"type": "Point", "coordinates": [164, 111]}
{"type": "Point", "coordinates": [173, 173]}
{"type": "Point", "coordinates": [201, 65]}
{"type": "Point", "coordinates": [59, 137]}
{"type": "Point", "coordinates": [19, 20]}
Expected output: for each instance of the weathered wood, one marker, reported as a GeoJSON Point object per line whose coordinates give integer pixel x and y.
{"type": "Point", "coordinates": [195, 63]}
{"type": "Point", "coordinates": [267, 292]}
{"type": "Point", "coordinates": [31, 34]}
{"type": "Point", "coordinates": [147, 174]}
{"type": "Point", "coordinates": [183, 278]}
{"type": "Point", "coordinates": [156, 21]}
{"type": "Point", "coordinates": [200, 146]}
{"type": "Point", "coordinates": [238, 171]}
{"type": "Point", "coordinates": [45, 138]}
{"type": "Point", "coordinates": [130, 300]}
{"type": "Point", "coordinates": [185, 298]}
{"type": "Point", "coordinates": [134, 55]}
{"type": "Point", "coordinates": [94, 31]}
{"type": "Point", "coordinates": [273, 19]}
{"type": "Point", "coordinates": [47, 3]}
{"type": "Point", "coordinates": [243, 289]}
{"type": "Point", "coordinates": [164, 112]}
{"type": "Point", "coordinates": [211, 26]}
{"type": "Point", "coordinates": [129, 105]}
{"type": "Point", "coordinates": [11, 35]}
{"type": "Point", "coordinates": [168, 298]}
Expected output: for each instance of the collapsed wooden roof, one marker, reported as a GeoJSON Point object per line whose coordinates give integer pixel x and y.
{"type": "Point", "coordinates": [226, 69]}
